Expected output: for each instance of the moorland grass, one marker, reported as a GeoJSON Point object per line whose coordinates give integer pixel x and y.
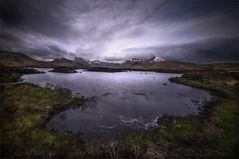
{"type": "Point", "coordinates": [25, 110]}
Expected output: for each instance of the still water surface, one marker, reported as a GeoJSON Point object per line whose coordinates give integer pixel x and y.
{"type": "Point", "coordinates": [125, 101]}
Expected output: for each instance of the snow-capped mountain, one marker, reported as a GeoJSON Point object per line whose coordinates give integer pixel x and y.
{"type": "Point", "coordinates": [97, 63]}
{"type": "Point", "coordinates": [156, 59]}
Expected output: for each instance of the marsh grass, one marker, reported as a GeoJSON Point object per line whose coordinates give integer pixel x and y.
{"type": "Point", "coordinates": [215, 132]}
{"type": "Point", "coordinates": [24, 110]}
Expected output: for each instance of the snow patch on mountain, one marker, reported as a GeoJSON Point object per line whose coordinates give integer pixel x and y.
{"type": "Point", "coordinates": [156, 59]}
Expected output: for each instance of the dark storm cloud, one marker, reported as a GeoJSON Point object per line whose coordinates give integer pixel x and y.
{"type": "Point", "coordinates": [9, 37]}
{"type": "Point", "coordinates": [115, 30]}
{"type": "Point", "coordinates": [42, 16]}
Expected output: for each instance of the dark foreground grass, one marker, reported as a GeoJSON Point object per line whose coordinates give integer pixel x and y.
{"type": "Point", "coordinates": [25, 110]}
{"type": "Point", "coordinates": [218, 124]}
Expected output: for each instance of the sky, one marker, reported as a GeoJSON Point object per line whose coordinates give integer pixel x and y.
{"type": "Point", "coordinates": [117, 30]}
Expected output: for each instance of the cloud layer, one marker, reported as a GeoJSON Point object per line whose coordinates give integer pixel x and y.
{"type": "Point", "coordinates": [114, 30]}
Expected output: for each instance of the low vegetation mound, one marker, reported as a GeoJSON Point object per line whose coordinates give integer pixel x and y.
{"type": "Point", "coordinates": [64, 70]}
{"type": "Point", "coordinates": [13, 74]}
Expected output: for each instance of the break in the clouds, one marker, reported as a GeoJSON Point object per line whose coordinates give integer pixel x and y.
{"type": "Point", "coordinates": [115, 30]}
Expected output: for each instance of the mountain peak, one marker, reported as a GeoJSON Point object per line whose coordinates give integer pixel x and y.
{"type": "Point", "coordinates": [81, 61]}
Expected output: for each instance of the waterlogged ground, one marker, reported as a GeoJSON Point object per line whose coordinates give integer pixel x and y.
{"type": "Point", "coordinates": [123, 101]}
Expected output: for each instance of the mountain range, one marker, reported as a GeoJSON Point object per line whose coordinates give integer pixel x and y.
{"type": "Point", "coordinates": [20, 59]}
{"type": "Point", "coordinates": [155, 63]}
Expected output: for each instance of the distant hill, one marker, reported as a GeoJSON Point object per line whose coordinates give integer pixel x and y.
{"type": "Point", "coordinates": [16, 59]}
{"type": "Point", "coordinates": [19, 59]}
{"type": "Point", "coordinates": [82, 61]}
{"type": "Point", "coordinates": [97, 63]}
{"type": "Point", "coordinates": [61, 62]}
{"type": "Point", "coordinates": [157, 63]}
